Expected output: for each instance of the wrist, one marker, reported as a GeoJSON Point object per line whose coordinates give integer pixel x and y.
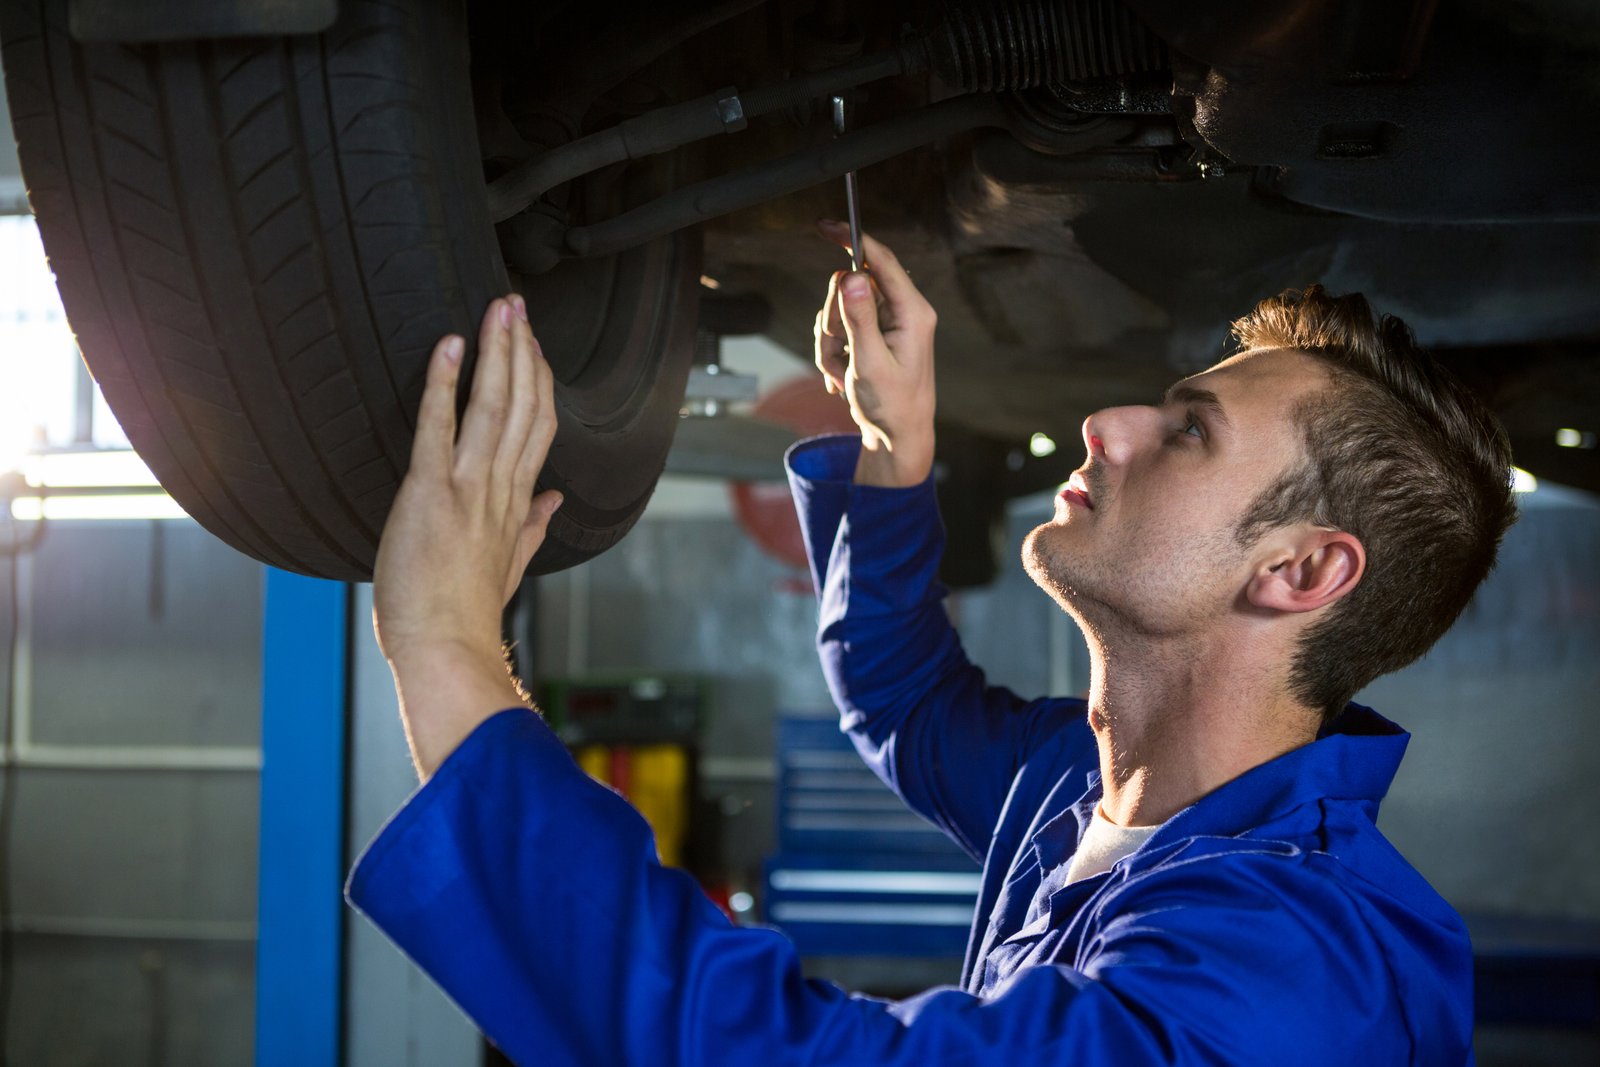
{"type": "Point", "coordinates": [897, 464]}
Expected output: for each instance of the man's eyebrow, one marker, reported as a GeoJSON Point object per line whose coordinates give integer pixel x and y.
{"type": "Point", "coordinates": [1205, 398]}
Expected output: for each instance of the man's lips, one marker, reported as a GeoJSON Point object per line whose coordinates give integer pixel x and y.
{"type": "Point", "coordinates": [1076, 491]}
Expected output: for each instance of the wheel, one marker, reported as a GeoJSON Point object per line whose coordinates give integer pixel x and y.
{"type": "Point", "coordinates": [258, 242]}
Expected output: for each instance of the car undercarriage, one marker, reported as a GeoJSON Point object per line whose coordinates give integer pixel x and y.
{"type": "Point", "coordinates": [1088, 191]}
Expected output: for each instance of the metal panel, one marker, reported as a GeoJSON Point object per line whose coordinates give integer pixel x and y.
{"type": "Point", "coordinates": [133, 851]}
{"type": "Point", "coordinates": [142, 633]}
{"type": "Point", "coordinates": [301, 911]}
{"type": "Point", "coordinates": [95, 847]}
{"type": "Point", "coordinates": [134, 1001]}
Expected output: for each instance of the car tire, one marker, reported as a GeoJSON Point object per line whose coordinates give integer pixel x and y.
{"type": "Point", "coordinates": [258, 242]}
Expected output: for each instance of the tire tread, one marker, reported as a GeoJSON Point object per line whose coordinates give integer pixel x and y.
{"type": "Point", "coordinates": [259, 242]}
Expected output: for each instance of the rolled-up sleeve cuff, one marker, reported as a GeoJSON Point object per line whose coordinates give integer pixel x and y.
{"type": "Point", "coordinates": [415, 854]}
{"type": "Point", "coordinates": [829, 458]}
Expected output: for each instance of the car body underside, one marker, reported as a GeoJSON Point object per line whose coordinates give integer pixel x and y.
{"type": "Point", "coordinates": [1093, 241]}
{"type": "Point", "coordinates": [1088, 191]}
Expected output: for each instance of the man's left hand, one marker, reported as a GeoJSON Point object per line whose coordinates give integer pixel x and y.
{"type": "Point", "coordinates": [463, 528]}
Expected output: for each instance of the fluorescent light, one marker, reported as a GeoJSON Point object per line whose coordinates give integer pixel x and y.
{"type": "Point", "coordinates": [1522, 481]}
{"type": "Point", "coordinates": [1567, 437]}
{"type": "Point", "coordinates": [709, 282]}
{"type": "Point", "coordinates": [1041, 445]}
{"type": "Point", "coordinates": [118, 506]}
{"type": "Point", "coordinates": [886, 914]}
{"type": "Point", "coordinates": [843, 881]}
{"type": "Point", "coordinates": [86, 469]}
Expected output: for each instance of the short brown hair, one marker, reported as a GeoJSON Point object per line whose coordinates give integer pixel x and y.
{"type": "Point", "coordinates": [1401, 455]}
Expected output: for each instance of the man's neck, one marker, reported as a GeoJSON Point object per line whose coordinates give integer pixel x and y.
{"type": "Point", "coordinates": [1178, 718]}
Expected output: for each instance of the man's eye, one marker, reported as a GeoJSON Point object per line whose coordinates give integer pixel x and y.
{"type": "Point", "coordinates": [1191, 425]}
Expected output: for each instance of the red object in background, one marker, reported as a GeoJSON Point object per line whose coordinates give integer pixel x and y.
{"type": "Point", "coordinates": [622, 769]}
{"type": "Point", "coordinates": [765, 509]}
{"type": "Point", "coordinates": [720, 893]}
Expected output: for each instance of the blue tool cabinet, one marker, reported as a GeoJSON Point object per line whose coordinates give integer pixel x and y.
{"type": "Point", "coordinates": [856, 872]}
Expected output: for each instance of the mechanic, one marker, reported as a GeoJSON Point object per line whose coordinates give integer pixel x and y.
{"type": "Point", "coordinates": [1182, 869]}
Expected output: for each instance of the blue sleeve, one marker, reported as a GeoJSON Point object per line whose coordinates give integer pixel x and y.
{"type": "Point", "coordinates": [920, 714]}
{"type": "Point", "coordinates": [533, 896]}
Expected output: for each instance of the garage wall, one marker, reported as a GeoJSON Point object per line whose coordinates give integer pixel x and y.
{"type": "Point", "coordinates": [133, 862]}
{"type": "Point", "coordinates": [1498, 798]}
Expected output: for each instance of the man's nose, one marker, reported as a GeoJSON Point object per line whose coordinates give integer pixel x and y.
{"type": "Point", "coordinates": [1114, 434]}
{"type": "Point", "coordinates": [1092, 441]}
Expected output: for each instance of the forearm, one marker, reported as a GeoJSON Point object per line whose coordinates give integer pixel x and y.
{"type": "Point", "coordinates": [446, 690]}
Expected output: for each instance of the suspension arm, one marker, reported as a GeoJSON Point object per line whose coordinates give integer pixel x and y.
{"type": "Point", "coordinates": [676, 125]}
{"type": "Point", "coordinates": [787, 174]}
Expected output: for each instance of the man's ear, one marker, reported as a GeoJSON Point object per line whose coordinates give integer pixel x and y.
{"type": "Point", "coordinates": [1312, 569]}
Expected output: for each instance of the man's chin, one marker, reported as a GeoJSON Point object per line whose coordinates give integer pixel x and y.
{"type": "Point", "coordinates": [1044, 559]}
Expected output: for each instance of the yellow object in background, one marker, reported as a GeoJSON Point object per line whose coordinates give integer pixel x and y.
{"type": "Point", "coordinates": [655, 780]}
{"type": "Point", "coordinates": [595, 761]}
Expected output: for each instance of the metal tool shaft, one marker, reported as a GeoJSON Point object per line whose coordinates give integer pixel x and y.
{"type": "Point", "coordinates": [858, 259]}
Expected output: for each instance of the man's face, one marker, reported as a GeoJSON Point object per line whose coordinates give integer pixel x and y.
{"type": "Point", "coordinates": [1144, 535]}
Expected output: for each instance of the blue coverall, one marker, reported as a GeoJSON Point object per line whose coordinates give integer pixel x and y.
{"type": "Point", "coordinates": [1268, 923]}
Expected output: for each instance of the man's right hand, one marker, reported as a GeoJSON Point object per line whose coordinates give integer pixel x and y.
{"type": "Point", "coordinates": [875, 348]}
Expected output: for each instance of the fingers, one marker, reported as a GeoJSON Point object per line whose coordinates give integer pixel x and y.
{"type": "Point", "coordinates": [830, 357]}
{"type": "Point", "coordinates": [832, 315]}
{"type": "Point", "coordinates": [543, 430]}
{"type": "Point", "coordinates": [434, 442]}
{"type": "Point", "coordinates": [524, 399]}
{"type": "Point", "coordinates": [891, 276]}
{"type": "Point", "coordinates": [490, 403]}
{"type": "Point", "coordinates": [544, 507]}
{"type": "Point", "coordinates": [530, 537]}
{"type": "Point", "coordinates": [839, 233]}
{"type": "Point", "coordinates": [867, 346]}
{"type": "Point", "coordinates": [907, 305]}
{"type": "Point", "coordinates": [511, 417]}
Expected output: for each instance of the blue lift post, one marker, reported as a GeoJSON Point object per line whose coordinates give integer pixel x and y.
{"type": "Point", "coordinates": [300, 908]}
